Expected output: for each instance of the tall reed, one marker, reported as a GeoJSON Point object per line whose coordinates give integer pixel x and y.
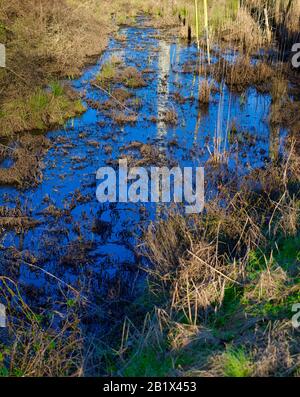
{"type": "Point", "coordinates": [206, 29]}
{"type": "Point", "coordinates": [197, 23]}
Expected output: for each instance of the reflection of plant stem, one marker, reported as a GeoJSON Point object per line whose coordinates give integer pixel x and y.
{"type": "Point", "coordinates": [197, 125]}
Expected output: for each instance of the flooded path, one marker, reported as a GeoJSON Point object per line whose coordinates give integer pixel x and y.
{"type": "Point", "coordinates": [90, 245]}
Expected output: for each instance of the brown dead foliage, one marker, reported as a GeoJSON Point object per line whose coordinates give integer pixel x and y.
{"type": "Point", "coordinates": [244, 31]}
{"type": "Point", "coordinates": [170, 117]}
{"type": "Point", "coordinates": [77, 254]}
{"type": "Point", "coordinates": [60, 351]}
{"type": "Point", "coordinates": [54, 212]}
{"type": "Point", "coordinates": [287, 114]}
{"type": "Point", "coordinates": [27, 162]}
{"type": "Point", "coordinates": [121, 94]}
{"type": "Point", "coordinates": [200, 246]}
{"type": "Point", "coordinates": [132, 78]}
{"type": "Point", "coordinates": [15, 219]}
{"type": "Point", "coordinates": [35, 54]}
{"type": "Point", "coordinates": [277, 355]}
{"type": "Point", "coordinates": [111, 73]}
{"type": "Point", "coordinates": [197, 260]}
{"type": "Point", "coordinates": [204, 92]}
{"type": "Point", "coordinates": [242, 74]}
{"type": "Point", "coordinates": [149, 155]}
{"type": "Point", "coordinates": [122, 118]}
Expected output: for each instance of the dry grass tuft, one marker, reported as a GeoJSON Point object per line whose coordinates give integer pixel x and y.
{"type": "Point", "coordinates": [270, 285]}
{"type": "Point", "coordinates": [242, 74]}
{"type": "Point", "coordinates": [244, 31]}
{"type": "Point", "coordinates": [27, 166]}
{"type": "Point", "coordinates": [276, 356]}
{"type": "Point", "coordinates": [132, 78]}
{"type": "Point", "coordinates": [204, 92]}
{"type": "Point", "coordinates": [37, 348]}
{"type": "Point", "coordinates": [122, 118]}
{"type": "Point", "coordinates": [170, 117]}
{"type": "Point", "coordinates": [15, 219]}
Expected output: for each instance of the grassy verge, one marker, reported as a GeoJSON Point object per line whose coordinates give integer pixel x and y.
{"type": "Point", "coordinates": [67, 36]}
{"type": "Point", "coordinates": [222, 288]}
{"type": "Point", "coordinates": [38, 111]}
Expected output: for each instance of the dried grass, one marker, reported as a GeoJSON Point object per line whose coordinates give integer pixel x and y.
{"type": "Point", "coordinates": [27, 166]}
{"type": "Point", "coordinates": [242, 74]}
{"type": "Point", "coordinates": [204, 92]}
{"type": "Point", "coordinates": [244, 31]}
{"type": "Point", "coordinates": [37, 349]}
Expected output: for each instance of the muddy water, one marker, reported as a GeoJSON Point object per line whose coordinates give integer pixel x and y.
{"type": "Point", "coordinates": [85, 243]}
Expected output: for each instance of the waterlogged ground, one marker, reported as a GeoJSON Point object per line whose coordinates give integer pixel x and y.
{"type": "Point", "coordinates": [89, 245]}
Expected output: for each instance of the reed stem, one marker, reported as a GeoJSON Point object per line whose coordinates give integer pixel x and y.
{"type": "Point", "coordinates": [206, 30]}
{"type": "Point", "coordinates": [197, 24]}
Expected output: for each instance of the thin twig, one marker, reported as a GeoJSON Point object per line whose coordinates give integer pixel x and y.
{"type": "Point", "coordinates": [55, 277]}
{"type": "Point", "coordinates": [212, 268]}
{"type": "Point", "coordinates": [17, 75]}
{"type": "Point", "coordinates": [113, 97]}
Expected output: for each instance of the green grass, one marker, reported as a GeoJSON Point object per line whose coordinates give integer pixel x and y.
{"type": "Point", "coordinates": [236, 363]}
{"type": "Point", "coordinates": [151, 361]}
{"type": "Point", "coordinates": [107, 73]}
{"type": "Point", "coordinates": [230, 307]}
{"type": "Point", "coordinates": [236, 304]}
{"type": "Point", "coordinates": [41, 110]}
{"type": "Point", "coordinates": [39, 101]}
{"type": "Point", "coordinates": [2, 32]}
{"type": "Point", "coordinates": [288, 252]}
{"type": "Point", "coordinates": [56, 88]}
